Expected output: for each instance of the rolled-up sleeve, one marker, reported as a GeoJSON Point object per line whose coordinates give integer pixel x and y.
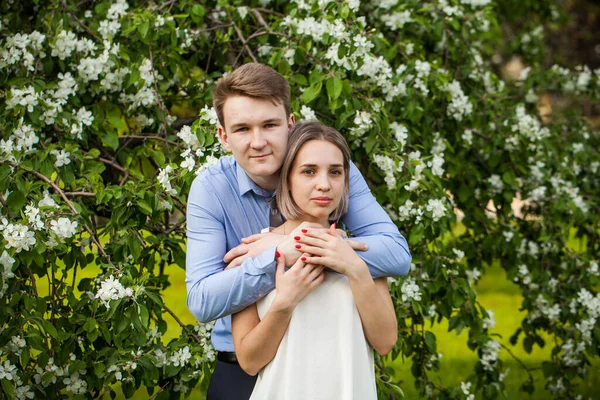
{"type": "Point", "coordinates": [388, 253]}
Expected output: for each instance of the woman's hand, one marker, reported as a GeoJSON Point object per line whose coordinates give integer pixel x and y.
{"type": "Point", "coordinates": [296, 283]}
{"type": "Point", "coordinates": [329, 249]}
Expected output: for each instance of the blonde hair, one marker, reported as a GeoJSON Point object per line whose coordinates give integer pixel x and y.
{"type": "Point", "coordinates": [300, 134]}
{"type": "Point", "coordinates": [252, 80]}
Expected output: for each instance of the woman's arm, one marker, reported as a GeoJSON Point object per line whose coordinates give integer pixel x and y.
{"type": "Point", "coordinates": [376, 311]}
{"type": "Point", "coordinates": [256, 341]}
{"type": "Point", "coordinates": [372, 297]}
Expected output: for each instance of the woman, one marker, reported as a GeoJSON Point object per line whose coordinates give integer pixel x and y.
{"type": "Point", "coordinates": [312, 337]}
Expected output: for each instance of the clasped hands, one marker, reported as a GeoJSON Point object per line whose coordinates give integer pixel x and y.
{"type": "Point", "coordinates": [321, 246]}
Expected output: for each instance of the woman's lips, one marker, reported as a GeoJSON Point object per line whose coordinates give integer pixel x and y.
{"type": "Point", "coordinates": [322, 201]}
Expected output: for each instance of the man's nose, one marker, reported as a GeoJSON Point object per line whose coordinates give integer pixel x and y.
{"type": "Point", "coordinates": [258, 139]}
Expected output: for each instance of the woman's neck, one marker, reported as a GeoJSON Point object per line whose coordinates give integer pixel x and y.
{"type": "Point", "coordinates": [292, 224]}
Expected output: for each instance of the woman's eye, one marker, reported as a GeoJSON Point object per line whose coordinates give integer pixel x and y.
{"type": "Point", "coordinates": [336, 172]}
{"type": "Point", "coordinates": [308, 172]}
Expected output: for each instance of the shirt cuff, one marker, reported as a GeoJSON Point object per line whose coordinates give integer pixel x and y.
{"type": "Point", "coordinates": [264, 263]}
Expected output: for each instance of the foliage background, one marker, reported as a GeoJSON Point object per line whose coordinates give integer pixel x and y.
{"type": "Point", "coordinates": [453, 110]}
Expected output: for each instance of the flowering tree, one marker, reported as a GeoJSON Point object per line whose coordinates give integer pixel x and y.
{"type": "Point", "coordinates": [107, 120]}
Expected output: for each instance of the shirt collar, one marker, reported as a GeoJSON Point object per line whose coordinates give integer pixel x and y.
{"type": "Point", "coordinates": [245, 184]}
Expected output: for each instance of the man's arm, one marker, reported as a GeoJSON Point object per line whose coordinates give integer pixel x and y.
{"type": "Point", "coordinates": [212, 292]}
{"type": "Point", "coordinates": [388, 253]}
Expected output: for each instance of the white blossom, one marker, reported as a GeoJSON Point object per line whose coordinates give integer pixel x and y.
{"type": "Point", "coordinates": [19, 237]}
{"type": "Point", "coordinates": [112, 289]}
{"type": "Point", "coordinates": [62, 158]}
{"type": "Point", "coordinates": [33, 217]}
{"type": "Point", "coordinates": [410, 290]}
{"type": "Point", "coordinates": [75, 384]}
{"type": "Point", "coordinates": [308, 114]}
{"type": "Point", "coordinates": [489, 355]}
{"type": "Point", "coordinates": [437, 208]}
{"type": "Point", "coordinates": [181, 357]}
{"type": "Point", "coordinates": [460, 106]}
{"type": "Point", "coordinates": [64, 228]}
{"type": "Point", "coordinates": [210, 114]}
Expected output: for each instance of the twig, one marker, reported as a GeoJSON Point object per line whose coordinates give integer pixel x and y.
{"type": "Point", "coordinates": [183, 326]}
{"type": "Point", "coordinates": [144, 137]}
{"type": "Point", "coordinates": [243, 40]}
{"type": "Point", "coordinates": [84, 26]}
{"type": "Point", "coordinates": [160, 104]}
{"type": "Point", "coordinates": [80, 194]}
{"type": "Point", "coordinates": [259, 18]}
{"type": "Point", "coordinates": [3, 202]}
{"type": "Point", "coordinates": [72, 207]}
{"type": "Point", "coordinates": [141, 240]}
{"type": "Point", "coordinates": [33, 283]}
{"type": "Point", "coordinates": [525, 367]}
{"type": "Point", "coordinates": [174, 227]}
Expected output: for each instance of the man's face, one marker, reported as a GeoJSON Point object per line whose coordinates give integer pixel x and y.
{"type": "Point", "coordinates": [256, 132]}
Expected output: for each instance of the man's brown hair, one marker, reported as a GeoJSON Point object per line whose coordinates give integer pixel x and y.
{"type": "Point", "coordinates": [252, 80]}
{"type": "Point", "coordinates": [301, 133]}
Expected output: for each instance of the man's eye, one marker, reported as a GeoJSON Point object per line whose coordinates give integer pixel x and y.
{"type": "Point", "coordinates": [242, 129]}
{"type": "Point", "coordinates": [270, 125]}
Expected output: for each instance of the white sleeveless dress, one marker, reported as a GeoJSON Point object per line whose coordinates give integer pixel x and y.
{"type": "Point", "coordinates": [324, 354]}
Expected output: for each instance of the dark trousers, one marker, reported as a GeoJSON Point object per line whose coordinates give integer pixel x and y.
{"type": "Point", "coordinates": [230, 382]}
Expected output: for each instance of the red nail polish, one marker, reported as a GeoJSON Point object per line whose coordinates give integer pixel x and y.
{"type": "Point", "coordinates": [304, 230]}
{"type": "Point", "coordinates": [277, 254]}
{"type": "Point", "coordinates": [303, 258]}
{"type": "Point", "coordinates": [298, 246]}
{"type": "Point", "coordinates": [296, 237]}
{"type": "Point", "coordinates": [334, 225]}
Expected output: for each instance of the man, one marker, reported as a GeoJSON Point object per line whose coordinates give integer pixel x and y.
{"type": "Point", "coordinates": [230, 201]}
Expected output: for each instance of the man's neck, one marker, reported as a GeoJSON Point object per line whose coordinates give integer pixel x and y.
{"type": "Point", "coordinates": [268, 183]}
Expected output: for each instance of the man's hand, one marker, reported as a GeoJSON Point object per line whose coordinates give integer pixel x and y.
{"type": "Point", "coordinates": [251, 247]}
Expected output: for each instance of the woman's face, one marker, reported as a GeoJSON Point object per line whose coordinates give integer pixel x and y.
{"type": "Point", "coordinates": [317, 179]}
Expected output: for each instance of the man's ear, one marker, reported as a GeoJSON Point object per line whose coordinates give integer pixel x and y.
{"type": "Point", "coordinates": [291, 121]}
{"type": "Point", "coordinates": [223, 138]}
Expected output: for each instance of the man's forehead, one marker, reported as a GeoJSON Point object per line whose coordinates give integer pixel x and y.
{"type": "Point", "coordinates": [242, 109]}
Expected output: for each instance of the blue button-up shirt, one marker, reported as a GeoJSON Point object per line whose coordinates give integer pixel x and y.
{"type": "Point", "coordinates": [225, 205]}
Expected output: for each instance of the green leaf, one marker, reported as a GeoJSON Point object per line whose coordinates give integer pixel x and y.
{"type": "Point", "coordinates": [145, 206]}
{"type": "Point", "coordinates": [8, 388]}
{"type": "Point", "coordinates": [430, 342]}
{"type": "Point", "coordinates": [111, 140]}
{"type": "Point", "coordinates": [312, 92]}
{"type": "Point", "coordinates": [117, 122]}
{"type": "Point", "coordinates": [50, 329]}
{"type": "Point", "coordinates": [334, 87]}
{"type": "Point", "coordinates": [143, 29]}
{"type": "Point", "coordinates": [15, 201]}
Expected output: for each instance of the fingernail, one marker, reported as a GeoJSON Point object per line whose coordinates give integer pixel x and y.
{"type": "Point", "coordinates": [296, 237]}
{"type": "Point", "coordinates": [304, 230]}
{"type": "Point", "coordinates": [303, 258]}
{"type": "Point", "coordinates": [334, 226]}
{"type": "Point", "coordinates": [277, 254]}
{"type": "Point", "coordinates": [298, 246]}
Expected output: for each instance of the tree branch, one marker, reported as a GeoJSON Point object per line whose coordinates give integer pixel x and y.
{"type": "Point", "coordinates": [243, 40]}
{"type": "Point", "coordinates": [84, 26]}
{"type": "Point", "coordinates": [183, 326]}
{"type": "Point", "coordinates": [72, 207]}
{"type": "Point", "coordinates": [144, 137]}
